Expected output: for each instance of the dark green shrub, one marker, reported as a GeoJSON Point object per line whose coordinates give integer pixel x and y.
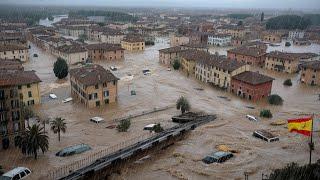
{"type": "Point", "coordinates": [124, 125]}
{"type": "Point", "coordinates": [275, 99]}
{"type": "Point", "coordinates": [176, 64]}
{"type": "Point", "coordinates": [266, 113]}
{"type": "Point", "coordinates": [158, 128]}
{"type": "Point", "coordinates": [60, 68]}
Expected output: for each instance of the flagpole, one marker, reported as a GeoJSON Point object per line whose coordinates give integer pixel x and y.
{"type": "Point", "coordinates": [311, 145]}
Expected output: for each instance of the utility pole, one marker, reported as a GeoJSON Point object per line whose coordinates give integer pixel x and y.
{"type": "Point", "coordinates": [311, 144]}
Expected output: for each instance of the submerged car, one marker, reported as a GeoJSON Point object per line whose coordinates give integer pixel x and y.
{"type": "Point", "coordinates": [76, 149]}
{"type": "Point", "coordinates": [16, 173]}
{"type": "Point", "coordinates": [265, 135]}
{"type": "Point", "coordinates": [218, 157]}
{"type": "Point", "coordinates": [251, 118]}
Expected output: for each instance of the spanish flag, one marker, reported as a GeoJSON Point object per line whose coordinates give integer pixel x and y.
{"type": "Point", "coordinates": [301, 125]}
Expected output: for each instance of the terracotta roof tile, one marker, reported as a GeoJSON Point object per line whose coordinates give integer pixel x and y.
{"type": "Point", "coordinates": [253, 78]}
{"type": "Point", "coordinates": [93, 74]}
{"type": "Point", "coordinates": [18, 78]}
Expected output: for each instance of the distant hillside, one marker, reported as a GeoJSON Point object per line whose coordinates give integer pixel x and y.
{"type": "Point", "coordinates": [110, 15]}
{"type": "Point", "coordinates": [288, 22]}
{"type": "Point", "coordinates": [239, 16]}
{"type": "Point", "coordinates": [314, 18]}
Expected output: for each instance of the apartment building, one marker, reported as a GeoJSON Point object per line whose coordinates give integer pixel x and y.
{"type": "Point", "coordinates": [72, 53]}
{"type": "Point", "coordinates": [251, 55]}
{"type": "Point", "coordinates": [10, 65]}
{"type": "Point", "coordinates": [133, 43]}
{"type": "Point", "coordinates": [296, 34]}
{"type": "Point", "coordinates": [104, 51]}
{"type": "Point", "coordinates": [112, 37]}
{"type": "Point", "coordinates": [189, 58]}
{"type": "Point", "coordinates": [310, 73]}
{"type": "Point", "coordinates": [14, 51]}
{"type": "Point", "coordinates": [217, 70]}
{"type": "Point", "coordinates": [13, 38]}
{"type": "Point", "coordinates": [16, 88]}
{"type": "Point", "coordinates": [168, 55]}
{"type": "Point", "coordinates": [282, 61]}
{"type": "Point", "coordinates": [251, 85]}
{"type": "Point", "coordinates": [273, 36]}
{"type": "Point", "coordinates": [93, 86]}
{"type": "Point", "coordinates": [219, 39]}
{"type": "Point", "coordinates": [177, 40]}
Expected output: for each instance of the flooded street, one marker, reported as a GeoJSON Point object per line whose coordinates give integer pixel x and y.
{"type": "Point", "coordinates": [162, 88]}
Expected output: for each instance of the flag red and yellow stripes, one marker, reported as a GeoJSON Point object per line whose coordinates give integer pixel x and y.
{"type": "Point", "coordinates": [301, 125]}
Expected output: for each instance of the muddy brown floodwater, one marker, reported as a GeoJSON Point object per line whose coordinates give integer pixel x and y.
{"type": "Point", "coordinates": [162, 88]}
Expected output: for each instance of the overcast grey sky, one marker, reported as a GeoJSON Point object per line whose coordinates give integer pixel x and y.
{"type": "Point", "coordinates": [283, 4]}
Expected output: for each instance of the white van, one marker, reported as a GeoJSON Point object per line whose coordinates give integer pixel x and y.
{"type": "Point", "coordinates": [96, 119]}
{"type": "Point", "coordinates": [16, 174]}
{"type": "Point", "coordinates": [251, 118]}
{"type": "Point", "coordinates": [149, 127]}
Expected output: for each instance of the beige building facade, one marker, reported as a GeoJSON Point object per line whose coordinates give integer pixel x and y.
{"type": "Point", "coordinates": [14, 51]}
{"type": "Point", "coordinates": [93, 86]}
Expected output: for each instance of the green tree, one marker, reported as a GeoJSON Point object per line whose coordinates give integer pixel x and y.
{"type": "Point", "coordinates": [60, 68]}
{"type": "Point", "coordinates": [287, 82]}
{"type": "Point", "coordinates": [27, 113]}
{"type": "Point", "coordinates": [124, 125]}
{"type": "Point", "coordinates": [289, 22]}
{"type": "Point", "coordinates": [58, 125]}
{"type": "Point", "coordinates": [183, 104]}
{"type": "Point", "coordinates": [158, 128]}
{"type": "Point", "coordinates": [262, 16]}
{"type": "Point", "coordinates": [32, 140]}
{"type": "Point", "coordinates": [176, 64]}
{"type": "Point", "coordinates": [266, 113]}
{"type": "Point", "coordinates": [275, 99]}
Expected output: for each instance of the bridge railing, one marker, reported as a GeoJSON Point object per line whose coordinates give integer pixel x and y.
{"type": "Point", "coordinates": [142, 113]}
{"type": "Point", "coordinates": [65, 170]}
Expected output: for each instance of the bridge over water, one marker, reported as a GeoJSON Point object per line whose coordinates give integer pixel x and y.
{"type": "Point", "coordinates": [105, 166]}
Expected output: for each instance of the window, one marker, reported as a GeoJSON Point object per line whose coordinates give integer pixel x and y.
{"type": "Point", "coordinates": [106, 93]}
{"type": "Point", "coordinates": [95, 96]}
{"type": "Point", "coordinates": [16, 177]}
{"type": "Point", "coordinates": [29, 94]}
{"type": "Point", "coordinates": [106, 101]}
{"type": "Point", "coordinates": [19, 87]}
{"type": "Point", "coordinates": [97, 103]}
{"type": "Point", "coordinates": [28, 85]}
{"type": "Point", "coordinates": [97, 86]}
{"type": "Point", "coordinates": [90, 96]}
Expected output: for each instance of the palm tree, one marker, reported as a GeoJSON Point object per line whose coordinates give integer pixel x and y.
{"type": "Point", "coordinates": [58, 125]}
{"type": "Point", "coordinates": [32, 140]}
{"type": "Point", "coordinates": [183, 104]}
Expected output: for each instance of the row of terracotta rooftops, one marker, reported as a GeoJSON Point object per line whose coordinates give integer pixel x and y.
{"type": "Point", "coordinates": [205, 58]}
{"type": "Point", "coordinates": [12, 73]}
